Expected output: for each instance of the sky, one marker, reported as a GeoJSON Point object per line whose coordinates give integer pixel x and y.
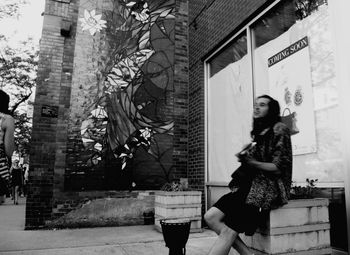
{"type": "Point", "coordinates": [28, 24]}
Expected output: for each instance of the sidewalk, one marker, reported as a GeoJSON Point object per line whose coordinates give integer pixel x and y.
{"type": "Point", "coordinates": [130, 240]}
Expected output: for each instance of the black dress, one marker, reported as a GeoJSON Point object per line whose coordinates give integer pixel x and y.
{"type": "Point", "coordinates": [16, 177]}
{"type": "Point", "coordinates": [239, 216]}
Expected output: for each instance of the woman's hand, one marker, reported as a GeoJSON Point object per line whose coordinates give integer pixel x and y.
{"type": "Point", "coordinates": [262, 166]}
{"type": "Point", "coordinates": [250, 161]}
{"type": "Point", "coordinates": [245, 158]}
{"type": "Point", "coordinates": [241, 157]}
{"type": "Point", "coordinates": [244, 153]}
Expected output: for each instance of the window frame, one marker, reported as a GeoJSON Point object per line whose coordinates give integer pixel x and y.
{"type": "Point", "coordinates": [247, 29]}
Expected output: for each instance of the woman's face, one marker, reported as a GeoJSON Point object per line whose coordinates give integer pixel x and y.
{"type": "Point", "coordinates": [261, 107]}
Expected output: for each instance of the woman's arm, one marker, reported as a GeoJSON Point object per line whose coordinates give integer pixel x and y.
{"type": "Point", "coordinates": [263, 166]}
{"type": "Point", "coordinates": [9, 127]}
{"type": "Point", "coordinates": [281, 153]}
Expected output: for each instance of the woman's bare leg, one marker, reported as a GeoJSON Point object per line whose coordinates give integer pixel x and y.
{"type": "Point", "coordinates": [227, 237]}
{"type": "Point", "coordinates": [241, 247]}
{"type": "Point", "coordinates": [223, 244]}
{"type": "Point", "coordinates": [15, 201]}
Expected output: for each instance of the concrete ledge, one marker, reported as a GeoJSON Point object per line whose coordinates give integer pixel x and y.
{"type": "Point", "coordinates": [305, 203]}
{"type": "Point", "coordinates": [295, 229]}
{"type": "Point", "coordinates": [177, 205]}
{"type": "Point", "coordinates": [158, 217]}
{"type": "Point", "coordinates": [325, 251]}
{"type": "Point", "coordinates": [301, 227]}
{"type": "Point", "coordinates": [298, 213]}
{"type": "Point", "coordinates": [176, 193]}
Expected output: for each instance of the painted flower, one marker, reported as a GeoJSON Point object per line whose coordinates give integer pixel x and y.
{"type": "Point", "coordinates": [92, 22]}
{"type": "Point", "coordinates": [99, 113]}
{"type": "Point", "coordinates": [98, 146]}
{"type": "Point", "coordinates": [146, 133]}
{"type": "Point", "coordinates": [121, 75]}
{"type": "Point", "coordinates": [139, 10]}
{"type": "Point", "coordinates": [126, 70]}
{"type": "Point", "coordinates": [93, 130]}
{"type": "Point", "coordinates": [139, 138]}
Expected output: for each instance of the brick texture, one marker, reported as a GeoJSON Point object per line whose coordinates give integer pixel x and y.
{"type": "Point", "coordinates": [181, 89]}
{"type": "Point", "coordinates": [49, 133]}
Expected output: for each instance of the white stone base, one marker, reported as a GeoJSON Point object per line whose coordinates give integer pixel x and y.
{"type": "Point", "coordinates": [182, 205]}
{"type": "Point", "coordinates": [301, 227]}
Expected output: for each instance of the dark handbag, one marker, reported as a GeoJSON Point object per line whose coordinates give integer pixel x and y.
{"type": "Point", "coordinates": [290, 121]}
{"type": "Point", "coordinates": [242, 176]}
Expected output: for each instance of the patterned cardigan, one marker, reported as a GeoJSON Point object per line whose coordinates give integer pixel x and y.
{"type": "Point", "coordinates": [269, 191]}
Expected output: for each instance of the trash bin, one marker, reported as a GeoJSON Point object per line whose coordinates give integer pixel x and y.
{"type": "Point", "coordinates": [175, 233]}
{"type": "Point", "coordinates": [148, 218]}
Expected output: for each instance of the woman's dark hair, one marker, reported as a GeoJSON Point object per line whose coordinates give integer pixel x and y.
{"type": "Point", "coordinates": [274, 113]}
{"type": "Point", "coordinates": [273, 116]}
{"type": "Point", "coordinates": [4, 102]}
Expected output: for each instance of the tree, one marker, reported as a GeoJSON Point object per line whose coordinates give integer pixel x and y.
{"type": "Point", "coordinates": [9, 8]}
{"type": "Point", "coordinates": [18, 78]}
{"type": "Point", "coordinates": [18, 66]}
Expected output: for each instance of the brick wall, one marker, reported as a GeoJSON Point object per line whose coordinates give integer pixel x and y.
{"type": "Point", "coordinates": [53, 93]}
{"type": "Point", "coordinates": [180, 152]}
{"type": "Point", "coordinates": [70, 78]}
{"type": "Point", "coordinates": [211, 22]}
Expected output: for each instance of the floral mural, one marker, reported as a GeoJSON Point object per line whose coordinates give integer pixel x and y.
{"type": "Point", "coordinates": [92, 22]}
{"type": "Point", "coordinates": [134, 108]}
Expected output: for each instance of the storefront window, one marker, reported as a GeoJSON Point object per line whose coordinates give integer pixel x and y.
{"type": "Point", "coordinates": [229, 94]}
{"type": "Point", "coordinates": [230, 54]}
{"type": "Point", "coordinates": [293, 60]}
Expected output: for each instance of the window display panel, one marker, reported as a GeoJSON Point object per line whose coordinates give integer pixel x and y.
{"type": "Point", "coordinates": [229, 108]}
{"type": "Point", "coordinates": [294, 62]}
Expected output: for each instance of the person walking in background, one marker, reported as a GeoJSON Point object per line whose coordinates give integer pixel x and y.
{"type": "Point", "coordinates": [25, 177]}
{"type": "Point", "coordinates": [268, 166]}
{"type": "Point", "coordinates": [7, 145]}
{"type": "Point", "coordinates": [16, 180]}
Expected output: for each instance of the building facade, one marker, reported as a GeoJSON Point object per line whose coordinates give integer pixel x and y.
{"type": "Point", "coordinates": [133, 94]}
{"type": "Point", "coordinates": [290, 50]}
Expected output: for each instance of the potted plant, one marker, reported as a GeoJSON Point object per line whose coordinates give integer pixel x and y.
{"type": "Point", "coordinates": [304, 192]}
{"type": "Point", "coordinates": [175, 202]}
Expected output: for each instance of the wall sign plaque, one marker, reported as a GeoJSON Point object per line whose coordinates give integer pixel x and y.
{"type": "Point", "coordinates": [49, 111]}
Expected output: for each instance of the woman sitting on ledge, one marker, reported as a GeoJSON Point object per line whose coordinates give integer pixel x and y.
{"type": "Point", "coordinates": [269, 163]}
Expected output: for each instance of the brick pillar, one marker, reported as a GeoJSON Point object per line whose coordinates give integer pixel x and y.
{"type": "Point", "coordinates": [181, 90]}
{"type": "Point", "coordinates": [51, 108]}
